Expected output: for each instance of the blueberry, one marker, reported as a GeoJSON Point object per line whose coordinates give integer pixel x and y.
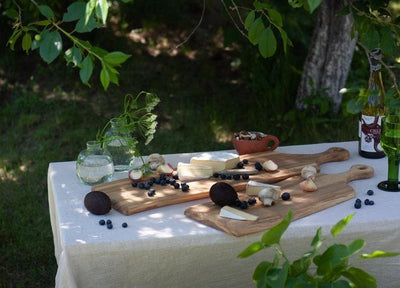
{"type": "Point", "coordinates": [147, 186]}
{"type": "Point", "coordinates": [238, 202]}
{"type": "Point", "coordinates": [153, 179]}
{"type": "Point", "coordinates": [245, 161]}
{"type": "Point", "coordinates": [163, 176]}
{"type": "Point", "coordinates": [134, 184]}
{"type": "Point", "coordinates": [358, 200]}
{"type": "Point", "coordinates": [163, 182]}
{"type": "Point", "coordinates": [258, 166]}
{"type": "Point", "coordinates": [176, 185]}
{"type": "Point", "coordinates": [357, 205]}
{"type": "Point", "coordinates": [102, 222]}
{"type": "Point", "coordinates": [245, 176]}
{"type": "Point", "coordinates": [285, 196]}
{"type": "Point", "coordinates": [236, 176]}
{"type": "Point", "coordinates": [215, 174]}
{"type": "Point", "coordinates": [109, 226]}
{"type": "Point", "coordinates": [239, 165]}
{"type": "Point", "coordinates": [175, 176]}
{"type": "Point", "coordinates": [252, 201]}
{"type": "Point", "coordinates": [228, 177]}
{"type": "Point", "coordinates": [141, 185]}
{"type": "Point", "coordinates": [158, 181]}
{"type": "Point", "coordinates": [223, 176]}
{"type": "Point", "coordinates": [185, 188]}
{"type": "Point", "coordinates": [124, 225]}
{"type": "Point", "coordinates": [109, 221]}
{"type": "Point", "coordinates": [366, 201]}
{"type": "Point", "coordinates": [243, 205]}
{"type": "Point", "coordinates": [172, 182]}
{"type": "Point", "coordinates": [151, 192]}
{"type": "Point", "coordinates": [370, 192]}
{"type": "Point", "coordinates": [371, 202]}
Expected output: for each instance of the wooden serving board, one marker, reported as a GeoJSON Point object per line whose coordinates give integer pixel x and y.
{"type": "Point", "coordinates": [129, 200]}
{"type": "Point", "coordinates": [332, 190]}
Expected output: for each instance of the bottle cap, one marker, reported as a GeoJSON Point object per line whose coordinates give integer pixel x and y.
{"type": "Point", "coordinates": [375, 58]}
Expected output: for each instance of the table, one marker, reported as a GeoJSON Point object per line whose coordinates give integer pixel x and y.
{"type": "Point", "coordinates": [164, 248]}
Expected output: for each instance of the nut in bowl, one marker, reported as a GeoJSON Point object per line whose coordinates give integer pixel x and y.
{"type": "Point", "coordinates": [252, 142]}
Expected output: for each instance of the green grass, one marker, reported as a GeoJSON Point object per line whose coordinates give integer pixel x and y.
{"type": "Point", "coordinates": [47, 115]}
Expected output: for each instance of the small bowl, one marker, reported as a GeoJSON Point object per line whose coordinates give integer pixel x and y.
{"type": "Point", "coordinates": [248, 146]}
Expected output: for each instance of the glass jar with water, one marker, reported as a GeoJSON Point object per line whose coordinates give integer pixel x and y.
{"type": "Point", "coordinates": [94, 164]}
{"type": "Point", "coordinates": [120, 143]}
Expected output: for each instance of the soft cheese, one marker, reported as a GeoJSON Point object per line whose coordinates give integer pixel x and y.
{"type": "Point", "coordinates": [219, 161]}
{"type": "Point", "coordinates": [253, 188]}
{"type": "Point", "coordinates": [190, 172]}
{"type": "Point", "coordinates": [232, 213]}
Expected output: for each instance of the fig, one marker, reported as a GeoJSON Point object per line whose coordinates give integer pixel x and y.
{"type": "Point", "coordinates": [97, 202]}
{"type": "Point", "coordinates": [222, 194]}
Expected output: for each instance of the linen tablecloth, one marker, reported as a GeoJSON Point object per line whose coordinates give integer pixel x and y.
{"type": "Point", "coordinates": [164, 248]}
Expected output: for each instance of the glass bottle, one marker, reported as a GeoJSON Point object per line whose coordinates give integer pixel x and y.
{"type": "Point", "coordinates": [94, 164]}
{"type": "Point", "coordinates": [371, 116]}
{"type": "Point", "coordinates": [119, 143]}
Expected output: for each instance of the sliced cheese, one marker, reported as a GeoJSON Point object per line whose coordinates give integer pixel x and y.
{"type": "Point", "coordinates": [253, 188]}
{"type": "Point", "coordinates": [191, 172]}
{"type": "Point", "coordinates": [219, 161]}
{"type": "Point", "coordinates": [232, 213]}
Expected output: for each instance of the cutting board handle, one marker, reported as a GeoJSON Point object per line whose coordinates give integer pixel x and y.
{"type": "Point", "coordinates": [356, 172]}
{"type": "Point", "coordinates": [333, 154]}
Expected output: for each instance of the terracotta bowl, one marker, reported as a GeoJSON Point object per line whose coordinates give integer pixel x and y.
{"type": "Point", "coordinates": [244, 146]}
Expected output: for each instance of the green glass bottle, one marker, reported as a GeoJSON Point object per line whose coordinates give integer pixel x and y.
{"type": "Point", "coordinates": [371, 116]}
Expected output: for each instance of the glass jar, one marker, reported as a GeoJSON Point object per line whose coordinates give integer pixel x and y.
{"type": "Point", "coordinates": [119, 143]}
{"type": "Point", "coordinates": [94, 164]}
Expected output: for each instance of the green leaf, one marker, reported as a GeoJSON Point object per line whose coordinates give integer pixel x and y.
{"type": "Point", "coordinates": [285, 40]}
{"type": "Point", "coordinates": [86, 71]}
{"type": "Point", "coordinates": [102, 10]}
{"type": "Point", "coordinates": [249, 19]}
{"type": "Point", "coordinates": [75, 11]}
{"type": "Point", "coordinates": [313, 4]}
{"type": "Point", "coordinates": [370, 38]}
{"type": "Point", "coordinates": [277, 277]}
{"type": "Point", "coordinates": [104, 78]}
{"type": "Point", "coordinates": [379, 254]}
{"type": "Point", "coordinates": [255, 31]}
{"type": "Point", "coordinates": [334, 258]}
{"type": "Point", "coordinates": [354, 106]}
{"type": "Point", "coordinates": [296, 3]}
{"type": "Point", "coordinates": [12, 13]}
{"type": "Point", "coordinates": [50, 45]}
{"type": "Point", "coordinates": [273, 235]}
{"type": "Point", "coordinates": [355, 246]}
{"type": "Point", "coordinates": [116, 58]}
{"type": "Point", "coordinates": [388, 42]}
{"type": "Point", "coordinates": [339, 226]}
{"type": "Point", "coordinates": [46, 11]}
{"type": "Point", "coordinates": [267, 43]}
{"type": "Point", "coordinates": [261, 5]}
{"type": "Point", "coordinates": [13, 39]}
{"type": "Point", "coordinates": [73, 55]}
{"type": "Point", "coordinates": [252, 249]}
{"type": "Point", "coordinates": [360, 278]}
{"type": "Point", "coordinates": [90, 5]}
{"type": "Point", "coordinates": [42, 23]}
{"type": "Point", "coordinates": [275, 17]}
{"type": "Point", "coordinates": [26, 42]}
{"type": "Point", "coordinates": [259, 274]}
{"type": "Point", "coordinates": [82, 27]}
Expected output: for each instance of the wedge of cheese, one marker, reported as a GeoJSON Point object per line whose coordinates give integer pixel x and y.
{"type": "Point", "coordinates": [232, 213]}
{"type": "Point", "coordinates": [219, 161]}
{"type": "Point", "coordinates": [253, 188]}
{"type": "Point", "coordinates": [191, 172]}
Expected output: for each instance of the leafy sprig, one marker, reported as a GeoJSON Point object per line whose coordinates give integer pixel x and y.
{"type": "Point", "coordinates": [332, 265]}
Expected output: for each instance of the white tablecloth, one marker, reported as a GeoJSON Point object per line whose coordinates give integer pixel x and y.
{"type": "Point", "coordinates": [163, 248]}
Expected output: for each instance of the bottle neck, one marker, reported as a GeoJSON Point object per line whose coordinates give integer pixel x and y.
{"type": "Point", "coordinates": [376, 93]}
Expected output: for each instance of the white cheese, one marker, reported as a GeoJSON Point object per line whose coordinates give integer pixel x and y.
{"type": "Point", "coordinates": [219, 161]}
{"type": "Point", "coordinates": [232, 213]}
{"type": "Point", "coordinates": [253, 188]}
{"type": "Point", "coordinates": [190, 172]}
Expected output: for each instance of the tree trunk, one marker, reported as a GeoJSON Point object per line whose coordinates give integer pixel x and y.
{"type": "Point", "coordinates": [330, 54]}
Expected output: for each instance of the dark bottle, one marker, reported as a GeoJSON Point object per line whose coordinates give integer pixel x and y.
{"type": "Point", "coordinates": [370, 121]}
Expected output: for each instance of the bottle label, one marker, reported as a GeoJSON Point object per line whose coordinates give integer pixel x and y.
{"type": "Point", "coordinates": [370, 133]}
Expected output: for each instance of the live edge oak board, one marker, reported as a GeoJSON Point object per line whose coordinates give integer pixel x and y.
{"type": "Point", "coordinates": [129, 200]}
{"type": "Point", "coordinates": [332, 190]}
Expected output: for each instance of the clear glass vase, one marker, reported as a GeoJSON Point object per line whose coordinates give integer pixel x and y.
{"type": "Point", "coordinates": [94, 165]}
{"type": "Point", "coordinates": [119, 143]}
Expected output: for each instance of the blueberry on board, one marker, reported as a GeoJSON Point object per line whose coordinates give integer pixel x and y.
{"type": "Point", "coordinates": [215, 174]}
{"type": "Point", "coordinates": [357, 205]}
{"type": "Point", "coordinates": [172, 182]}
{"type": "Point", "coordinates": [252, 201]}
{"type": "Point", "coordinates": [109, 221]}
{"type": "Point", "coordinates": [175, 176]}
{"type": "Point", "coordinates": [243, 205]}
{"type": "Point", "coordinates": [151, 192]}
{"type": "Point", "coordinates": [163, 182]}
{"type": "Point", "coordinates": [285, 196]}
{"type": "Point", "coordinates": [245, 176]}
{"type": "Point", "coordinates": [147, 186]}
{"type": "Point", "coordinates": [238, 203]}
{"type": "Point", "coordinates": [245, 161]}
{"type": "Point", "coordinates": [236, 176]}
{"type": "Point", "coordinates": [158, 181]}
{"type": "Point", "coordinates": [176, 185]}
{"type": "Point", "coordinates": [371, 202]}
{"type": "Point", "coordinates": [102, 222]}
{"type": "Point", "coordinates": [134, 183]}
{"type": "Point", "coordinates": [228, 177]}
{"type": "Point", "coordinates": [370, 192]}
{"type": "Point", "coordinates": [223, 176]}
{"type": "Point", "coordinates": [366, 201]}
{"type": "Point", "coordinates": [109, 226]}
{"type": "Point", "coordinates": [185, 188]}
{"type": "Point", "coordinates": [141, 185]}
{"type": "Point", "coordinates": [239, 165]}
{"type": "Point", "coordinates": [124, 225]}
{"type": "Point", "coordinates": [258, 166]}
